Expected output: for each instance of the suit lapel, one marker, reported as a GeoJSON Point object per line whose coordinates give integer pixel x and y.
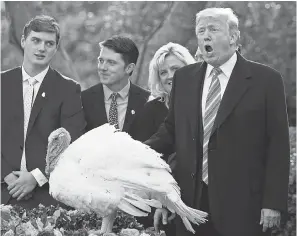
{"type": "Point", "coordinates": [44, 92]}
{"type": "Point", "coordinates": [99, 116]}
{"type": "Point", "coordinates": [16, 94]}
{"type": "Point", "coordinates": [133, 102]}
{"type": "Point", "coordinates": [238, 84]}
{"type": "Point", "coordinates": [196, 87]}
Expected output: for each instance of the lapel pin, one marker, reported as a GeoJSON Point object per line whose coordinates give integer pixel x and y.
{"type": "Point", "coordinates": [132, 112]}
{"type": "Point", "coordinates": [43, 94]}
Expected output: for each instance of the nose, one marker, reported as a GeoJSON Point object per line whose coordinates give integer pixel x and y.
{"type": "Point", "coordinates": [102, 66]}
{"type": "Point", "coordinates": [206, 36]}
{"type": "Point", "coordinates": [41, 46]}
{"type": "Point", "coordinates": [170, 73]}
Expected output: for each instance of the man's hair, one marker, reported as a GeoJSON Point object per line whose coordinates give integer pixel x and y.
{"type": "Point", "coordinates": [124, 46]}
{"type": "Point", "coordinates": [183, 54]}
{"type": "Point", "coordinates": [43, 23]}
{"type": "Point", "coordinates": [232, 19]}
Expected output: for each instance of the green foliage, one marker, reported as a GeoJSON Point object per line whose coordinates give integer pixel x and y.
{"type": "Point", "coordinates": [46, 220]}
{"type": "Point", "coordinates": [289, 222]}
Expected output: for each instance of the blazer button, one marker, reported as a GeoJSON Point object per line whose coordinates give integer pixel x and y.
{"type": "Point", "coordinates": [193, 175]}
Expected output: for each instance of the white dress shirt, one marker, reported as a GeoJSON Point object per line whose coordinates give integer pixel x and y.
{"type": "Point", "coordinates": [37, 174]}
{"type": "Point", "coordinates": [122, 101]}
{"type": "Point", "coordinates": [224, 77]}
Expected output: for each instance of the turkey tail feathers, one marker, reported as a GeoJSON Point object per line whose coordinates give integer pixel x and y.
{"type": "Point", "coordinates": [130, 209]}
{"type": "Point", "coordinates": [189, 214]}
{"type": "Point", "coordinates": [150, 202]}
{"type": "Point", "coordinates": [139, 204]}
{"type": "Point", "coordinates": [188, 225]}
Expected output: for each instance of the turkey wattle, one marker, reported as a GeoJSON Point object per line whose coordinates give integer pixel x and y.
{"type": "Point", "coordinates": [105, 170]}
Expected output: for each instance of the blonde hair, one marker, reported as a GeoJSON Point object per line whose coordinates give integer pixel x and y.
{"type": "Point", "coordinates": [156, 87]}
{"type": "Point", "coordinates": [232, 19]}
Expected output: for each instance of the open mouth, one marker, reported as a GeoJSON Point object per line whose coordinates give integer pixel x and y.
{"type": "Point", "coordinates": [208, 48]}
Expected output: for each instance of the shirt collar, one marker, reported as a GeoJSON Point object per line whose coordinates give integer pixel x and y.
{"type": "Point", "coordinates": [123, 93]}
{"type": "Point", "coordinates": [39, 77]}
{"type": "Point", "coordinates": [227, 67]}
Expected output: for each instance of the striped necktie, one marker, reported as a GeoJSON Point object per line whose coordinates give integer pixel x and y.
{"type": "Point", "coordinates": [212, 104]}
{"type": "Point", "coordinates": [28, 102]}
{"type": "Point", "coordinates": [113, 111]}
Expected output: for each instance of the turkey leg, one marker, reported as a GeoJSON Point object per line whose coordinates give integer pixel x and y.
{"type": "Point", "coordinates": [107, 223]}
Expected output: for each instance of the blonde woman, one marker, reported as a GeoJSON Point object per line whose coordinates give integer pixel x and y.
{"type": "Point", "coordinates": [166, 61]}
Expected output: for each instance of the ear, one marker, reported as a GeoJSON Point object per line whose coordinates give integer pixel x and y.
{"type": "Point", "coordinates": [129, 68]}
{"type": "Point", "coordinates": [23, 41]}
{"type": "Point", "coordinates": [233, 37]}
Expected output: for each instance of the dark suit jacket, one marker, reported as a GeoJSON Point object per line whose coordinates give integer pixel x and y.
{"type": "Point", "coordinates": [60, 107]}
{"type": "Point", "coordinates": [94, 107]}
{"type": "Point", "coordinates": [148, 121]}
{"type": "Point", "coordinates": [248, 148]}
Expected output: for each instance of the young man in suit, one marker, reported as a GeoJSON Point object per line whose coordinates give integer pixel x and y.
{"type": "Point", "coordinates": [115, 99]}
{"type": "Point", "coordinates": [35, 100]}
{"type": "Point", "coordinates": [227, 121]}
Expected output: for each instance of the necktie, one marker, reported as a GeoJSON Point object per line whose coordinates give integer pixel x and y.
{"type": "Point", "coordinates": [213, 100]}
{"type": "Point", "coordinates": [28, 103]}
{"type": "Point", "coordinates": [113, 111]}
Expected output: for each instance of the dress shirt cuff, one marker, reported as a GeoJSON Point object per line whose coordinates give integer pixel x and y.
{"type": "Point", "coordinates": [39, 177]}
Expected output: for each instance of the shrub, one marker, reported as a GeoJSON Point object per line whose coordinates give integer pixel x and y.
{"type": "Point", "coordinates": [57, 221]}
{"type": "Point", "coordinates": [289, 222]}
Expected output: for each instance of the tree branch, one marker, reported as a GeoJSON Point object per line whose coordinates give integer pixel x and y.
{"type": "Point", "coordinates": [148, 38]}
{"type": "Point", "coordinates": [13, 38]}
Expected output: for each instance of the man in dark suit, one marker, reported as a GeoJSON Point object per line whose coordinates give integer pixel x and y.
{"type": "Point", "coordinates": [35, 100]}
{"type": "Point", "coordinates": [227, 121]}
{"type": "Point", "coordinates": [115, 99]}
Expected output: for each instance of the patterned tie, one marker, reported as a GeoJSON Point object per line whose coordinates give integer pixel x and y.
{"type": "Point", "coordinates": [28, 103]}
{"type": "Point", "coordinates": [113, 111]}
{"type": "Point", "coordinates": [211, 107]}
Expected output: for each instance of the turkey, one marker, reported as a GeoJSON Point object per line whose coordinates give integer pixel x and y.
{"type": "Point", "coordinates": [105, 170]}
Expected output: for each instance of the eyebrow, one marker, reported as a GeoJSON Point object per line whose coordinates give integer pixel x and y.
{"type": "Point", "coordinates": [47, 41]}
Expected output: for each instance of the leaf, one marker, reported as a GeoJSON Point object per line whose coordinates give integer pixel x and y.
{"type": "Point", "coordinates": [39, 224]}
{"type": "Point", "coordinates": [56, 214]}
{"type": "Point", "coordinates": [9, 233]}
{"type": "Point", "coordinates": [129, 232]}
{"type": "Point", "coordinates": [5, 212]}
{"type": "Point", "coordinates": [57, 232]}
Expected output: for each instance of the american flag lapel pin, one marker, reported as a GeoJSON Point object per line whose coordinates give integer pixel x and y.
{"type": "Point", "coordinates": [132, 112]}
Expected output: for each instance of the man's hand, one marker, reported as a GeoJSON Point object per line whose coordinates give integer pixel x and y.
{"type": "Point", "coordinates": [10, 178]}
{"type": "Point", "coordinates": [23, 186]}
{"type": "Point", "coordinates": [162, 213]}
{"type": "Point", "coordinates": [270, 218]}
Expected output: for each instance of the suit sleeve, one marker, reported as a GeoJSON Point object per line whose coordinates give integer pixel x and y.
{"type": "Point", "coordinates": [163, 141]}
{"type": "Point", "coordinates": [5, 168]}
{"type": "Point", "coordinates": [278, 147]}
{"type": "Point", "coordinates": [72, 114]}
